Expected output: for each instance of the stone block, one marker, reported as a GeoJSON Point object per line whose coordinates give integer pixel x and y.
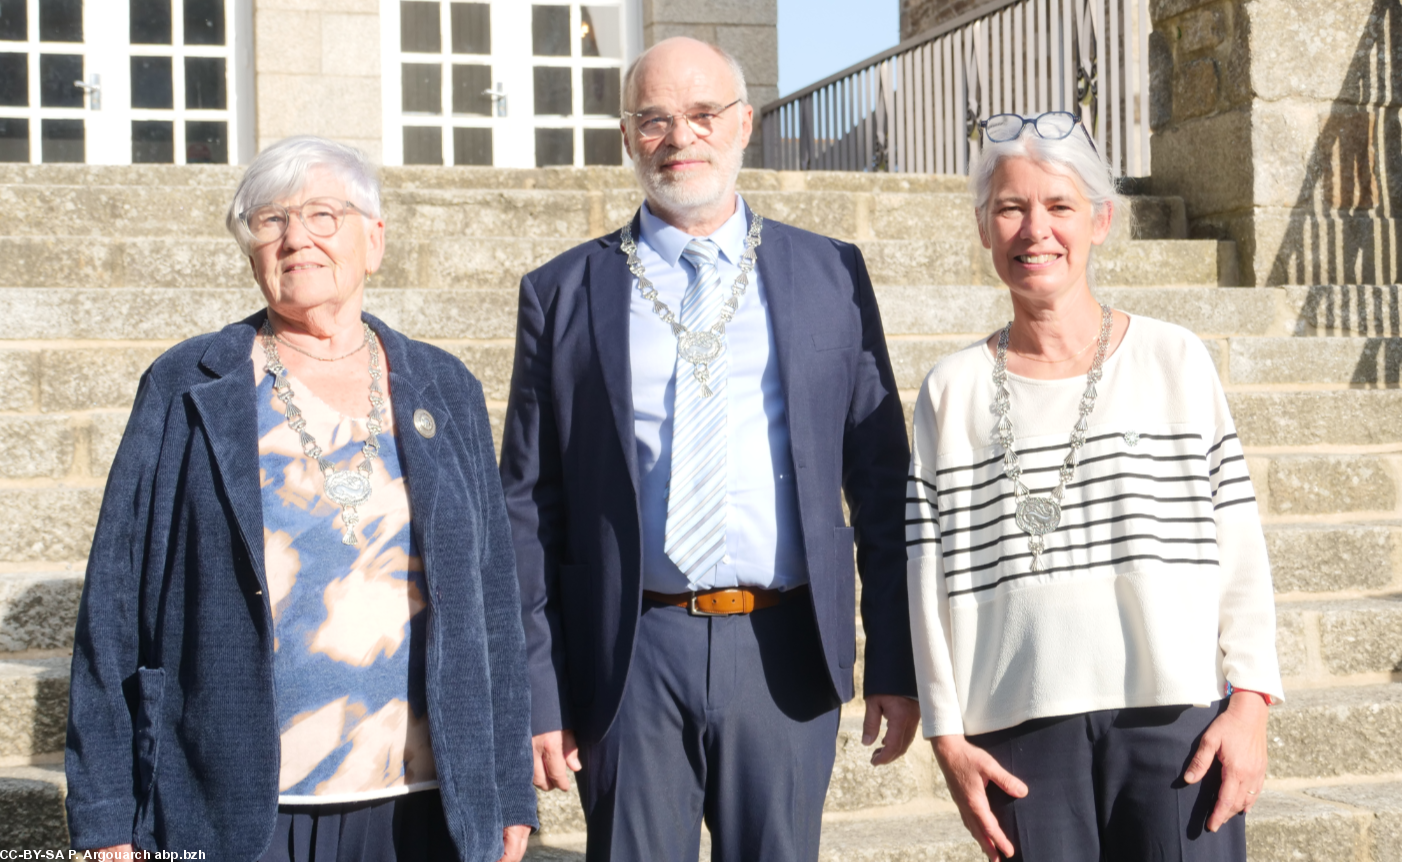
{"type": "Point", "coordinates": [38, 447]}
{"type": "Point", "coordinates": [922, 308]}
{"type": "Point", "coordinates": [1323, 484]}
{"type": "Point", "coordinates": [732, 12]}
{"type": "Point", "coordinates": [1385, 802]}
{"type": "Point", "coordinates": [288, 41]}
{"type": "Point", "coordinates": [757, 49]}
{"type": "Point", "coordinates": [926, 837]}
{"type": "Point", "coordinates": [85, 378]}
{"type": "Point", "coordinates": [1206, 160]}
{"type": "Point", "coordinates": [334, 107]}
{"type": "Point", "coordinates": [1312, 49]}
{"type": "Point", "coordinates": [20, 371]}
{"type": "Point", "coordinates": [105, 430]}
{"type": "Point", "coordinates": [33, 706]}
{"type": "Point", "coordinates": [1157, 217]}
{"type": "Point", "coordinates": [1291, 640]}
{"type": "Point", "coordinates": [929, 261]}
{"type": "Point", "coordinates": [361, 6]}
{"type": "Point", "coordinates": [475, 264]}
{"type": "Point", "coordinates": [1316, 558]}
{"type": "Point", "coordinates": [1290, 826]}
{"type": "Point", "coordinates": [193, 176]}
{"type": "Point", "coordinates": [876, 183]}
{"type": "Point", "coordinates": [1194, 89]}
{"type": "Point", "coordinates": [1349, 730]}
{"type": "Point", "coordinates": [38, 610]}
{"type": "Point", "coordinates": [148, 313]}
{"type": "Point", "coordinates": [1362, 636]}
{"type": "Point", "coordinates": [829, 213]}
{"type": "Point", "coordinates": [1162, 10]}
{"type": "Point", "coordinates": [1348, 417]}
{"type": "Point", "coordinates": [1201, 29]}
{"type": "Point", "coordinates": [1157, 262]}
{"type": "Point", "coordinates": [1365, 361]}
{"type": "Point", "coordinates": [560, 811]}
{"type": "Point", "coordinates": [491, 363]}
{"type": "Point", "coordinates": [31, 798]}
{"type": "Point", "coordinates": [901, 215]}
{"type": "Point", "coordinates": [1285, 158]}
{"type": "Point", "coordinates": [1206, 311]}
{"type": "Point", "coordinates": [419, 216]}
{"type": "Point", "coordinates": [184, 263]}
{"type": "Point", "coordinates": [912, 359]}
{"type": "Point", "coordinates": [444, 314]}
{"type": "Point", "coordinates": [1292, 246]}
{"type": "Point", "coordinates": [59, 262]}
{"type": "Point", "coordinates": [51, 524]}
{"type": "Point", "coordinates": [856, 784]}
{"type": "Point", "coordinates": [99, 212]}
{"type": "Point", "coordinates": [1346, 310]}
{"type": "Point", "coordinates": [350, 44]}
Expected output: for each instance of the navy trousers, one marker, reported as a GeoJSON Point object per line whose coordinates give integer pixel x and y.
{"type": "Point", "coordinates": [731, 719]}
{"type": "Point", "coordinates": [405, 828]}
{"type": "Point", "coordinates": [1108, 786]}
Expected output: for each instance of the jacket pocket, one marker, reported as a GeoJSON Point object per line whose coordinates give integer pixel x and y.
{"type": "Point", "coordinates": [146, 722]}
{"type": "Point", "coordinates": [845, 570]}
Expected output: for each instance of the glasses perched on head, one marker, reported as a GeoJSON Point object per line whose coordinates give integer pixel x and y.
{"type": "Point", "coordinates": [656, 124]}
{"type": "Point", "coordinates": [1053, 126]}
{"type": "Point", "coordinates": [320, 216]}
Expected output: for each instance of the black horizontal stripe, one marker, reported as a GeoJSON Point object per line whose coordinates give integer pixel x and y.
{"type": "Point", "coordinates": [1223, 463]}
{"type": "Point", "coordinates": [1093, 480]}
{"type": "Point", "coordinates": [923, 482]}
{"type": "Point", "coordinates": [1055, 467]}
{"type": "Point", "coordinates": [1087, 525]}
{"type": "Point", "coordinates": [1081, 547]}
{"type": "Point", "coordinates": [1219, 443]}
{"type": "Point", "coordinates": [1072, 506]}
{"type": "Point", "coordinates": [1054, 569]}
{"type": "Point", "coordinates": [922, 541]}
{"type": "Point", "coordinates": [1234, 502]}
{"type": "Point", "coordinates": [1225, 482]}
{"type": "Point", "coordinates": [1090, 440]}
{"type": "Point", "coordinates": [910, 521]}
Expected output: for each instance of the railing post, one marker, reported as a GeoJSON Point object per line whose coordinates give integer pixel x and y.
{"type": "Point", "coordinates": [805, 133]}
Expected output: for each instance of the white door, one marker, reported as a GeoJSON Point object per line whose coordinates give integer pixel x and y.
{"type": "Point", "coordinates": [124, 81]}
{"type": "Point", "coordinates": [510, 83]}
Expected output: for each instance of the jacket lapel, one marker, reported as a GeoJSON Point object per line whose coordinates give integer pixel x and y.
{"type": "Point", "coordinates": [776, 270]}
{"type": "Point", "coordinates": [609, 284]}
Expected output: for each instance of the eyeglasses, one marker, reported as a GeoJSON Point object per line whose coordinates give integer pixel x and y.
{"type": "Point", "coordinates": [321, 217]}
{"type": "Point", "coordinates": [1052, 126]}
{"type": "Point", "coordinates": [655, 124]}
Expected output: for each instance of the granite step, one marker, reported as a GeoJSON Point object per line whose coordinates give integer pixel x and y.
{"type": "Point", "coordinates": [31, 810]}
{"type": "Point", "coordinates": [1340, 638]}
{"type": "Point", "coordinates": [33, 707]}
{"type": "Point", "coordinates": [1322, 558]}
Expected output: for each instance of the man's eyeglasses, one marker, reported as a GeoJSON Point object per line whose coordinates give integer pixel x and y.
{"type": "Point", "coordinates": [655, 124]}
{"type": "Point", "coordinates": [1053, 126]}
{"type": "Point", "coordinates": [321, 217]}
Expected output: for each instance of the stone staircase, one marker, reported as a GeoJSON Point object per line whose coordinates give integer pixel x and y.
{"type": "Point", "coordinates": [101, 269]}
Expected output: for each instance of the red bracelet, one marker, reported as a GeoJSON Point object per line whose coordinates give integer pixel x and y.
{"type": "Point", "coordinates": [1231, 689]}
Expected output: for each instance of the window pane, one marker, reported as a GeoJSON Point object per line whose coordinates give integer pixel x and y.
{"type": "Point", "coordinates": [62, 140]}
{"type": "Point", "coordinates": [419, 28]}
{"type": "Point", "coordinates": [150, 22]}
{"type": "Point", "coordinates": [14, 23]}
{"type": "Point", "coordinates": [423, 145]}
{"type": "Point", "coordinates": [204, 23]}
{"type": "Point", "coordinates": [470, 84]}
{"type": "Point", "coordinates": [153, 142]}
{"type": "Point", "coordinates": [601, 91]}
{"type": "Point", "coordinates": [472, 28]}
{"type": "Point", "coordinates": [550, 31]}
{"type": "Point", "coordinates": [57, 72]}
{"type": "Point", "coordinates": [552, 90]}
{"type": "Point", "coordinates": [14, 139]}
{"type": "Point", "coordinates": [14, 80]}
{"type": "Point", "coordinates": [554, 147]}
{"type": "Point", "coordinates": [206, 143]}
{"type": "Point", "coordinates": [151, 83]}
{"type": "Point", "coordinates": [472, 146]}
{"type": "Point", "coordinates": [599, 34]}
{"type": "Point", "coordinates": [60, 21]}
{"type": "Point", "coordinates": [603, 147]}
{"type": "Point", "coordinates": [423, 89]}
{"type": "Point", "coordinates": [204, 83]}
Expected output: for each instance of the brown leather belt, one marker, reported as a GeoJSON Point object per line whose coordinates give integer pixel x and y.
{"type": "Point", "coordinates": [724, 602]}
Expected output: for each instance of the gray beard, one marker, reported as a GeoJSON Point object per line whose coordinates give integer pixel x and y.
{"type": "Point", "coordinates": [671, 195]}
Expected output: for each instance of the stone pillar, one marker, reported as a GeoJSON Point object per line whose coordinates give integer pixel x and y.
{"type": "Point", "coordinates": [317, 68]}
{"type": "Point", "coordinates": [748, 29]}
{"type": "Point", "coordinates": [917, 16]}
{"type": "Point", "coordinates": [1277, 122]}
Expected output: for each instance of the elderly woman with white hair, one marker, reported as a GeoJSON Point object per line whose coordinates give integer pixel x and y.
{"type": "Point", "coordinates": [1091, 601]}
{"type": "Point", "coordinates": [300, 634]}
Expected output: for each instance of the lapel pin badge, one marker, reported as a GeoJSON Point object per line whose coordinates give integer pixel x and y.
{"type": "Point", "coordinates": [424, 423]}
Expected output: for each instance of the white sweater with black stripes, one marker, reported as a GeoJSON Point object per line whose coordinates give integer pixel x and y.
{"type": "Point", "coordinates": [1157, 589]}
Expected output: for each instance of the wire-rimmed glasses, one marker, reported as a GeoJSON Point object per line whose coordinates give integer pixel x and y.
{"type": "Point", "coordinates": [320, 216]}
{"type": "Point", "coordinates": [656, 124]}
{"type": "Point", "coordinates": [1053, 126]}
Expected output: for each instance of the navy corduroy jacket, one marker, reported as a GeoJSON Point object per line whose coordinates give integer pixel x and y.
{"type": "Point", "coordinates": [172, 737]}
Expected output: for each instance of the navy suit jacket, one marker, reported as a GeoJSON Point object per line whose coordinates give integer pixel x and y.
{"type": "Point", "coordinates": [172, 733]}
{"type": "Point", "coordinates": [570, 473]}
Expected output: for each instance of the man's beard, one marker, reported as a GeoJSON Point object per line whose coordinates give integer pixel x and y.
{"type": "Point", "coordinates": [690, 192]}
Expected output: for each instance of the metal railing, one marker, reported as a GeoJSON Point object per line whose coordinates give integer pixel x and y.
{"type": "Point", "coordinates": [915, 108]}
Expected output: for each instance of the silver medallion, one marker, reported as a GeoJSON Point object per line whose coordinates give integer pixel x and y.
{"type": "Point", "coordinates": [1038, 516]}
{"type": "Point", "coordinates": [347, 487]}
{"type": "Point", "coordinates": [699, 348]}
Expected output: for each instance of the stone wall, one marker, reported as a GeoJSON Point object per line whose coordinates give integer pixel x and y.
{"type": "Point", "coordinates": [1276, 121]}
{"type": "Point", "coordinates": [317, 71]}
{"type": "Point", "coordinates": [917, 16]}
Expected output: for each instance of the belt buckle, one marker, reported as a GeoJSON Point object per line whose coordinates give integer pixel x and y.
{"type": "Point", "coordinates": [695, 611]}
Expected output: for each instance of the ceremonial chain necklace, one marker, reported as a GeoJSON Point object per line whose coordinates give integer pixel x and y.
{"type": "Point", "coordinates": [1038, 516]}
{"type": "Point", "coordinates": [289, 345]}
{"type": "Point", "coordinates": [345, 488]}
{"type": "Point", "coordinates": [700, 348]}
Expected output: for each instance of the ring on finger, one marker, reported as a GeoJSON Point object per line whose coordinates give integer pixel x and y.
{"type": "Point", "coordinates": [1251, 792]}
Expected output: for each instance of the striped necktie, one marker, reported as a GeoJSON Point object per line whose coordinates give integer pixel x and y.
{"type": "Point", "coordinates": [696, 495]}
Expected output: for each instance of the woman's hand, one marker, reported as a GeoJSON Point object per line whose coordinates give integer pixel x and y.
{"type": "Point", "coordinates": [514, 837]}
{"type": "Point", "coordinates": [1237, 738]}
{"type": "Point", "coordinates": [967, 770]}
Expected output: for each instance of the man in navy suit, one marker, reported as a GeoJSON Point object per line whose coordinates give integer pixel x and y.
{"type": "Point", "coordinates": [677, 440]}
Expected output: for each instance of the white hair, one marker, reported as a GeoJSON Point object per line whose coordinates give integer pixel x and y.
{"type": "Point", "coordinates": [285, 167]}
{"type": "Point", "coordinates": [1072, 156]}
{"type": "Point", "coordinates": [736, 71]}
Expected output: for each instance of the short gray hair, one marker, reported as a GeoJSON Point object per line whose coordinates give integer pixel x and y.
{"type": "Point", "coordinates": [285, 167]}
{"type": "Point", "coordinates": [737, 72]}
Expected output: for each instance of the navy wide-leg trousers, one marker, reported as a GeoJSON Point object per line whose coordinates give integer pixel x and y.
{"type": "Point", "coordinates": [732, 719]}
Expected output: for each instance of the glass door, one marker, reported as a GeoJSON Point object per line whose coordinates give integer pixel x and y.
{"type": "Point", "coordinates": [508, 83]}
{"type": "Point", "coordinates": [122, 81]}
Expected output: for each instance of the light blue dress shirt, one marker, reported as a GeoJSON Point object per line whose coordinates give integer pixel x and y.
{"type": "Point", "coordinates": [763, 539]}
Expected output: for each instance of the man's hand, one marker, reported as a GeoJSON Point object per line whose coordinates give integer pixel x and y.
{"type": "Point", "coordinates": [514, 837]}
{"type": "Point", "coordinates": [556, 756]}
{"type": "Point", "coordinates": [1237, 737]}
{"type": "Point", "coordinates": [902, 719]}
{"type": "Point", "coordinates": [967, 770]}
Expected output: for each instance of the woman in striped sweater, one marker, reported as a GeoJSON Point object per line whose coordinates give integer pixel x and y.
{"type": "Point", "coordinates": [1088, 575]}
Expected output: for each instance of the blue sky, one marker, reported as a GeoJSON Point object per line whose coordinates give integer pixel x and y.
{"type": "Point", "coordinates": [820, 37]}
